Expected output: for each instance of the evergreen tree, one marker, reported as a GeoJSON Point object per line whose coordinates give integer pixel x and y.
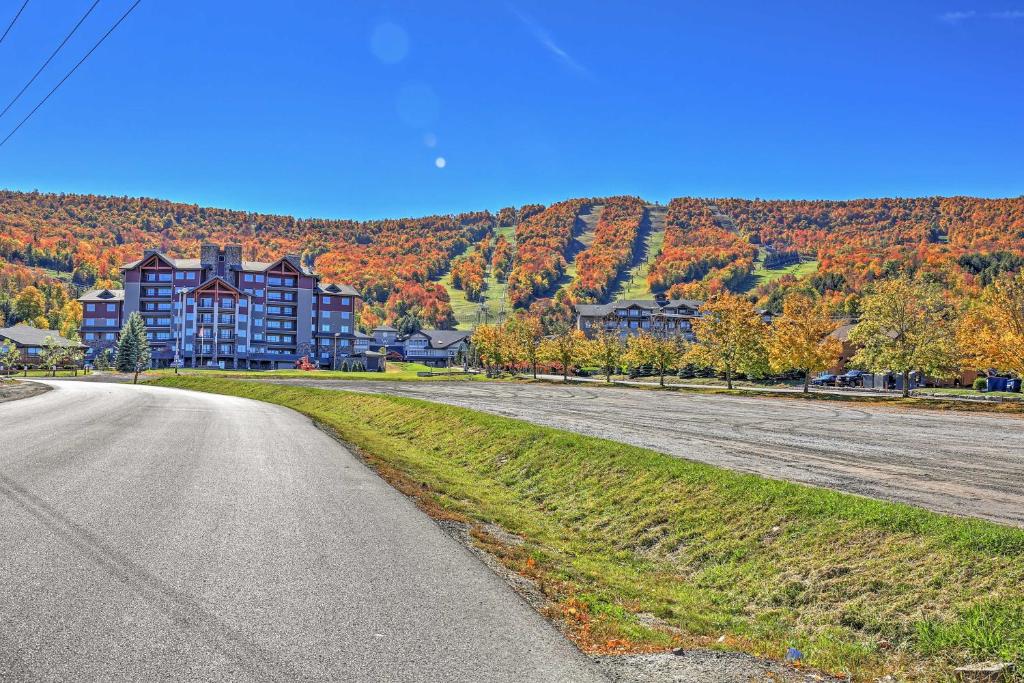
{"type": "Point", "coordinates": [133, 352]}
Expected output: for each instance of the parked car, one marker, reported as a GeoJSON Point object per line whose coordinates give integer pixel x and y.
{"type": "Point", "coordinates": [826, 380]}
{"type": "Point", "coordinates": [852, 378]}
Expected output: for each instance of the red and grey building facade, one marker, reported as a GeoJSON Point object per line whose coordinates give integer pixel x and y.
{"type": "Point", "coordinates": [222, 311]}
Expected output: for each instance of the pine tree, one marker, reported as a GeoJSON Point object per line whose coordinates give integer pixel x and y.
{"type": "Point", "coordinates": [133, 352]}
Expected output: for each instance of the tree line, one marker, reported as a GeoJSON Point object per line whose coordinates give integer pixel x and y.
{"type": "Point", "coordinates": [906, 326]}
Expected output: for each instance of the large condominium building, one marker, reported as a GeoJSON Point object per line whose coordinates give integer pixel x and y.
{"type": "Point", "coordinates": [660, 316]}
{"type": "Point", "coordinates": [219, 310]}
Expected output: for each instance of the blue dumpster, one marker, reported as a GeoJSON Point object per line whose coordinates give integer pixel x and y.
{"type": "Point", "coordinates": [995, 384]}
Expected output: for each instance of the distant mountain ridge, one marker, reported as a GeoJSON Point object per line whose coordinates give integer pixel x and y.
{"type": "Point", "coordinates": [838, 247]}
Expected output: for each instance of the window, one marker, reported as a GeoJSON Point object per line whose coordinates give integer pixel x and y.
{"type": "Point", "coordinates": [33, 350]}
{"type": "Point", "coordinates": [164, 277]}
{"type": "Point", "coordinates": [90, 336]}
{"type": "Point", "coordinates": [327, 301]}
{"type": "Point", "coordinates": [345, 301]}
{"type": "Point", "coordinates": [325, 328]}
{"type": "Point", "coordinates": [258, 308]}
{"type": "Point", "coordinates": [109, 336]}
{"type": "Point", "coordinates": [188, 346]}
{"type": "Point", "coordinates": [325, 314]}
{"type": "Point", "coordinates": [190, 275]}
{"type": "Point", "coordinates": [345, 315]}
{"type": "Point", "coordinates": [90, 307]}
{"type": "Point", "coordinates": [111, 308]}
{"type": "Point", "coordinates": [111, 322]}
{"type": "Point", "coordinates": [259, 277]}
{"type": "Point", "coordinates": [345, 329]}
{"type": "Point", "coordinates": [241, 348]}
{"type": "Point", "coordinates": [247, 277]}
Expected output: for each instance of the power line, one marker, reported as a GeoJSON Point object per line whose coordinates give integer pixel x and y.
{"type": "Point", "coordinates": [11, 25]}
{"type": "Point", "coordinates": [47, 62]}
{"type": "Point", "coordinates": [68, 74]}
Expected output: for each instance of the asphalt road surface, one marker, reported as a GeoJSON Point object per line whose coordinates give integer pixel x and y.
{"type": "Point", "coordinates": [959, 463]}
{"type": "Point", "coordinates": [154, 534]}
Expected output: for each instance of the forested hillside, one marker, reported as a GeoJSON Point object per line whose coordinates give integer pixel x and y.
{"type": "Point", "coordinates": [58, 245]}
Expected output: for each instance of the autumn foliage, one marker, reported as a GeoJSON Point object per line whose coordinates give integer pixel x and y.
{"type": "Point", "coordinates": [610, 252]}
{"type": "Point", "coordinates": [542, 242]}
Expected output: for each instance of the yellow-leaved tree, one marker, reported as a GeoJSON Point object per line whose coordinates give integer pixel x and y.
{"type": "Point", "coordinates": [606, 351]}
{"type": "Point", "coordinates": [730, 337]}
{"type": "Point", "coordinates": [526, 333]}
{"type": "Point", "coordinates": [991, 332]}
{"type": "Point", "coordinates": [564, 348]}
{"type": "Point", "coordinates": [905, 327]}
{"type": "Point", "coordinates": [489, 345]}
{"type": "Point", "coordinates": [660, 353]}
{"type": "Point", "coordinates": [800, 339]}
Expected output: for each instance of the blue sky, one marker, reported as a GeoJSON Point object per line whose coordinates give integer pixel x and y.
{"type": "Point", "coordinates": [343, 108]}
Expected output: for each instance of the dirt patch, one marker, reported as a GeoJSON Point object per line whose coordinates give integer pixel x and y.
{"type": "Point", "coordinates": [12, 391]}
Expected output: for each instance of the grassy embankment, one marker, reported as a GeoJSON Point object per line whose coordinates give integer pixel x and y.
{"type": "Point", "coordinates": [638, 551]}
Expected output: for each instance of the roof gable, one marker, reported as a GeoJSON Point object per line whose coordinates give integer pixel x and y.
{"type": "Point", "coordinates": [216, 281]}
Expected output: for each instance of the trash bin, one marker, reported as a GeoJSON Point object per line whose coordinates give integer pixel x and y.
{"type": "Point", "coordinates": [1013, 385]}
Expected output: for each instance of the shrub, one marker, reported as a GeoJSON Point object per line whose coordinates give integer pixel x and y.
{"type": "Point", "coordinates": [980, 383]}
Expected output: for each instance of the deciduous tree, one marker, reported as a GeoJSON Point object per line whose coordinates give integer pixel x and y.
{"type": "Point", "coordinates": [800, 339]}
{"type": "Point", "coordinates": [660, 353]}
{"type": "Point", "coordinates": [606, 350]}
{"type": "Point", "coordinates": [991, 332]}
{"type": "Point", "coordinates": [906, 327]}
{"type": "Point", "coordinates": [51, 355]}
{"type": "Point", "coordinates": [527, 333]}
{"type": "Point", "coordinates": [9, 356]}
{"type": "Point", "coordinates": [29, 304]}
{"type": "Point", "coordinates": [730, 337]}
{"type": "Point", "coordinates": [489, 345]}
{"type": "Point", "coordinates": [564, 348]}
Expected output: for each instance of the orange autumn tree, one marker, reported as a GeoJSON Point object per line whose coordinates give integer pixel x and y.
{"type": "Point", "coordinates": [800, 339]}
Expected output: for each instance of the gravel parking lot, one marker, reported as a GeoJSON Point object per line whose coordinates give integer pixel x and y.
{"type": "Point", "coordinates": [958, 463]}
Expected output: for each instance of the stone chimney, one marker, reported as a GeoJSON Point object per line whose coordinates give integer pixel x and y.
{"type": "Point", "coordinates": [208, 254]}
{"type": "Point", "coordinates": [232, 257]}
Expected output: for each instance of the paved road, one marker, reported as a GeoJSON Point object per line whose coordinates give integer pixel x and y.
{"type": "Point", "coordinates": [154, 534]}
{"type": "Point", "coordinates": [964, 464]}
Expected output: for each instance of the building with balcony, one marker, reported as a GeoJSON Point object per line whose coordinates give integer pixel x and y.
{"type": "Point", "coordinates": [436, 348]}
{"type": "Point", "coordinates": [660, 316]}
{"type": "Point", "coordinates": [222, 311]}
